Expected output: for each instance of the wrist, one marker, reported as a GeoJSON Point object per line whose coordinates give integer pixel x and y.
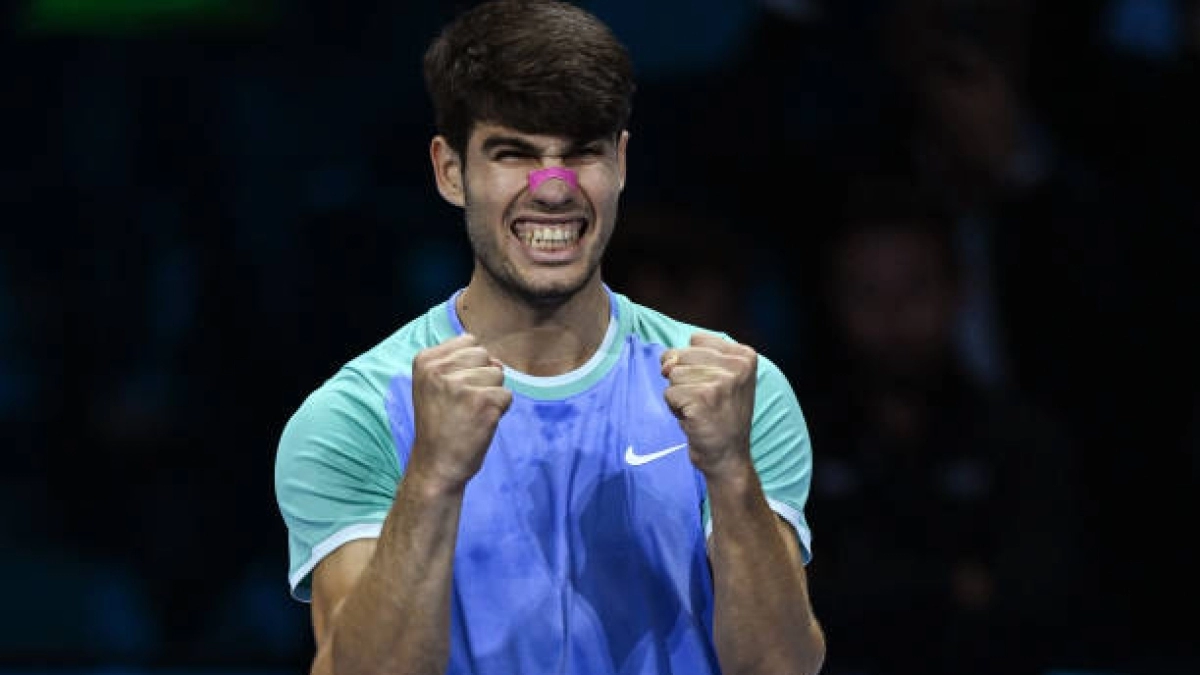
{"type": "Point", "coordinates": [734, 475]}
{"type": "Point", "coordinates": [737, 503]}
{"type": "Point", "coordinates": [430, 482]}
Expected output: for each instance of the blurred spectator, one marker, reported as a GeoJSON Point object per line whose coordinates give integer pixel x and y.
{"type": "Point", "coordinates": [977, 144]}
{"type": "Point", "coordinates": [948, 541]}
{"type": "Point", "coordinates": [1080, 287]}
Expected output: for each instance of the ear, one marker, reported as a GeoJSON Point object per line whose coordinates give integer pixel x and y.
{"type": "Point", "coordinates": [447, 170]}
{"type": "Point", "coordinates": [622, 144]}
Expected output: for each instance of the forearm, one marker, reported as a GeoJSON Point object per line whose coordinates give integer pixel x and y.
{"type": "Point", "coordinates": [397, 618]}
{"type": "Point", "coordinates": [763, 617]}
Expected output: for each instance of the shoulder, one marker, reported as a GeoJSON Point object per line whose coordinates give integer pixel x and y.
{"type": "Point", "coordinates": [392, 357]}
{"type": "Point", "coordinates": [354, 403]}
{"type": "Point", "coordinates": [655, 327]}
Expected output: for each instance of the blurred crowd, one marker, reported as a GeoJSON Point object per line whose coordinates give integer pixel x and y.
{"type": "Point", "coordinates": [966, 229]}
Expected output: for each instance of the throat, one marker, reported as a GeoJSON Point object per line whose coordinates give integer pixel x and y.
{"type": "Point", "coordinates": [543, 352]}
{"type": "Point", "coordinates": [536, 341]}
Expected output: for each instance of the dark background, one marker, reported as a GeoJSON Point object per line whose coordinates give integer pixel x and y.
{"type": "Point", "coordinates": [207, 210]}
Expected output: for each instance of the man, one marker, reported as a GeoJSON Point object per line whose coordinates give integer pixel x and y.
{"type": "Point", "coordinates": [935, 486]}
{"type": "Point", "coordinates": [539, 475]}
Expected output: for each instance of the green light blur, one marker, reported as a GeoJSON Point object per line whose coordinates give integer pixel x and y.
{"type": "Point", "coordinates": [122, 17]}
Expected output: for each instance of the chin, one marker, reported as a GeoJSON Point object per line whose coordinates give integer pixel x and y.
{"type": "Point", "coordinates": [545, 291]}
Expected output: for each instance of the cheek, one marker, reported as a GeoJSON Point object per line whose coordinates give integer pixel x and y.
{"type": "Point", "coordinates": [604, 194]}
{"type": "Point", "coordinates": [488, 194]}
{"type": "Point", "coordinates": [599, 178]}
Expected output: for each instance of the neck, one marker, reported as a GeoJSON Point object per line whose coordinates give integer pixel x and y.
{"type": "Point", "coordinates": [539, 340]}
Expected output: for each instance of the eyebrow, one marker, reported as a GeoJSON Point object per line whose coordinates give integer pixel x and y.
{"type": "Point", "coordinates": [493, 142]}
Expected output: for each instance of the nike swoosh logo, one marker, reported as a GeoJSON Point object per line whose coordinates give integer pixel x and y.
{"type": "Point", "coordinates": [635, 459]}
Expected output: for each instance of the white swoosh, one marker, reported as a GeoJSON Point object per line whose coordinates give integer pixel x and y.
{"type": "Point", "coordinates": [635, 459]}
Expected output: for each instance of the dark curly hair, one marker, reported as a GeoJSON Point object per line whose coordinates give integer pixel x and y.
{"type": "Point", "coordinates": [537, 66]}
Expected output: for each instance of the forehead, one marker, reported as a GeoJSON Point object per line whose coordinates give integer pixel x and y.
{"type": "Point", "coordinates": [489, 133]}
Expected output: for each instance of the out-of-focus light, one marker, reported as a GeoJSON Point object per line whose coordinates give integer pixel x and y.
{"type": "Point", "coordinates": [1147, 29]}
{"type": "Point", "coordinates": [122, 17]}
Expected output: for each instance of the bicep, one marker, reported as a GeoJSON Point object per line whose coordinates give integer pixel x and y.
{"type": "Point", "coordinates": [795, 554]}
{"type": "Point", "coordinates": [791, 544]}
{"type": "Point", "coordinates": [332, 581]}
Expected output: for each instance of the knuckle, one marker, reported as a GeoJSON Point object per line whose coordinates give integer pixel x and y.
{"type": "Point", "coordinates": [422, 359]}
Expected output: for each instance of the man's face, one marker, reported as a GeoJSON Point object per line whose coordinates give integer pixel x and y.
{"type": "Point", "coordinates": [895, 300]}
{"type": "Point", "coordinates": [543, 243]}
{"type": "Point", "coordinates": [972, 103]}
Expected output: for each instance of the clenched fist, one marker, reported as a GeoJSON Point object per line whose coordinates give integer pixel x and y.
{"type": "Point", "coordinates": [711, 390]}
{"type": "Point", "coordinates": [458, 398]}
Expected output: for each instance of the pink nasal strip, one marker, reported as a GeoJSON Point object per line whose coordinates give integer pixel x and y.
{"type": "Point", "coordinates": [536, 178]}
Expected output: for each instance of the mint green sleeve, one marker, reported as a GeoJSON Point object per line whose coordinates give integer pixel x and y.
{"type": "Point", "coordinates": [336, 473]}
{"type": "Point", "coordinates": [782, 453]}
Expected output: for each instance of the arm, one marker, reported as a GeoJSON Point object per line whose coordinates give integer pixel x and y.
{"type": "Point", "coordinates": [763, 616]}
{"type": "Point", "coordinates": [383, 606]}
{"type": "Point", "coordinates": [764, 620]}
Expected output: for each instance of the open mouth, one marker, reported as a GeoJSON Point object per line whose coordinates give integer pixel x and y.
{"type": "Point", "coordinates": [549, 234]}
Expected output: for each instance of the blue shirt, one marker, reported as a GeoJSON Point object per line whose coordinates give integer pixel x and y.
{"type": "Point", "coordinates": [581, 546]}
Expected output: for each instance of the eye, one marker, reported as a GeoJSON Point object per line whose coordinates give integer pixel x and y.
{"type": "Point", "coordinates": [510, 154]}
{"type": "Point", "coordinates": [588, 152]}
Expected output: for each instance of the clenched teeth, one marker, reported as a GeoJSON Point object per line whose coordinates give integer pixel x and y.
{"type": "Point", "coordinates": [548, 237]}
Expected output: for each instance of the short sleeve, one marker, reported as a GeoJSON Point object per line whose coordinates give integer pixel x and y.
{"type": "Point", "coordinates": [781, 450]}
{"type": "Point", "coordinates": [336, 473]}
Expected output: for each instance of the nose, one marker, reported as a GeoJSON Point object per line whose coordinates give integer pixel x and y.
{"type": "Point", "coordinates": [553, 184]}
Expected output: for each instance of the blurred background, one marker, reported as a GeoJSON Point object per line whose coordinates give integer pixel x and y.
{"type": "Point", "coordinates": [966, 229]}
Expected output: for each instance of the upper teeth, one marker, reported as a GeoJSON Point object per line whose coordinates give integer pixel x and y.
{"type": "Point", "coordinates": [548, 235]}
